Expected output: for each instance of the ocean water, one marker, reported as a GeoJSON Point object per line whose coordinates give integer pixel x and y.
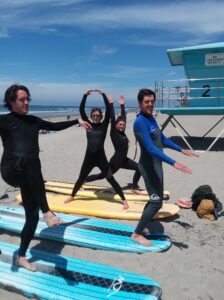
{"type": "Point", "coordinates": [59, 110]}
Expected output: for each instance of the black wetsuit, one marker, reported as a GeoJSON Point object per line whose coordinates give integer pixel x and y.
{"type": "Point", "coordinates": [20, 165]}
{"type": "Point", "coordinates": [95, 154]}
{"type": "Point", "coordinates": [119, 159]}
{"type": "Point", "coordinates": [151, 141]}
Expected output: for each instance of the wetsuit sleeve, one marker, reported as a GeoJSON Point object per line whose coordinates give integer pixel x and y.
{"type": "Point", "coordinates": [123, 113]}
{"type": "Point", "coordinates": [82, 108]}
{"type": "Point", "coordinates": [107, 105]}
{"type": "Point", "coordinates": [56, 126]}
{"type": "Point", "coordinates": [141, 131]}
{"type": "Point", "coordinates": [168, 143]}
{"type": "Point", "coordinates": [112, 116]}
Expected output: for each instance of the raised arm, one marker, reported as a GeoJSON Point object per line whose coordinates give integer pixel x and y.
{"type": "Point", "coordinates": [112, 113]}
{"type": "Point", "coordinates": [122, 104]}
{"type": "Point", "coordinates": [107, 106]}
{"type": "Point", "coordinates": [82, 107]}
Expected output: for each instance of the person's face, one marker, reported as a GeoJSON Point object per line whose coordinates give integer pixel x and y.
{"type": "Point", "coordinates": [120, 126]}
{"type": "Point", "coordinates": [96, 117]}
{"type": "Point", "coordinates": [147, 104]}
{"type": "Point", "coordinates": [21, 104]}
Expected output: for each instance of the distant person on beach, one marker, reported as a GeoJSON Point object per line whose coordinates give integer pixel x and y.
{"type": "Point", "coordinates": [120, 143]}
{"type": "Point", "coordinates": [95, 154]}
{"type": "Point", "coordinates": [151, 141]}
{"type": "Point", "coordinates": [20, 164]}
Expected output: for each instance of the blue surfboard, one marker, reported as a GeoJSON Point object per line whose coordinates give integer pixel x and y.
{"type": "Point", "coordinates": [85, 232]}
{"type": "Point", "coordinates": [62, 278]}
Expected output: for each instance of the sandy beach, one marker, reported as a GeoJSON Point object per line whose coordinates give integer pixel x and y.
{"type": "Point", "coordinates": [193, 268]}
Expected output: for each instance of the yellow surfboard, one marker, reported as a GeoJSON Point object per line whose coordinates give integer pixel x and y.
{"type": "Point", "coordinates": [109, 208]}
{"type": "Point", "coordinates": [96, 192]}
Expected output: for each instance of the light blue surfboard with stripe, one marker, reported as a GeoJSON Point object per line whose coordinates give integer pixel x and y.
{"type": "Point", "coordinates": [62, 278]}
{"type": "Point", "coordinates": [85, 232]}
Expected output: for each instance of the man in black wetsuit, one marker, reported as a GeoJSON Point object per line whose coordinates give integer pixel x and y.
{"type": "Point", "coordinates": [120, 143]}
{"type": "Point", "coordinates": [95, 154]}
{"type": "Point", "coordinates": [20, 164]}
{"type": "Point", "coordinates": [151, 141]}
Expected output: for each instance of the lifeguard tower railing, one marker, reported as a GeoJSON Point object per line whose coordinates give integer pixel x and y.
{"type": "Point", "coordinates": [190, 97]}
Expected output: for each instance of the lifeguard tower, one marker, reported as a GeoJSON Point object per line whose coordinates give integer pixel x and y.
{"type": "Point", "coordinates": [202, 93]}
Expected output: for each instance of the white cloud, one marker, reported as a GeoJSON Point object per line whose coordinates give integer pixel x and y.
{"type": "Point", "coordinates": [195, 17]}
{"type": "Point", "coordinates": [126, 72]}
{"type": "Point", "coordinates": [103, 50]}
{"type": "Point", "coordinates": [24, 3]}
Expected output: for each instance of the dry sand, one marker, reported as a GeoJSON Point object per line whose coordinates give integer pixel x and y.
{"type": "Point", "coordinates": [193, 269]}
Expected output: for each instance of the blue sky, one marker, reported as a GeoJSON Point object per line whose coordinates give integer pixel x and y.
{"type": "Point", "coordinates": [61, 48]}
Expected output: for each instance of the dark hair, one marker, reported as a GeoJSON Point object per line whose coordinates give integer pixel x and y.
{"type": "Point", "coordinates": [96, 109]}
{"type": "Point", "coordinates": [120, 118]}
{"type": "Point", "coordinates": [11, 94]}
{"type": "Point", "coordinates": [145, 92]}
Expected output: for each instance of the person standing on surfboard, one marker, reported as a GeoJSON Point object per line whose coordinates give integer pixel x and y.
{"type": "Point", "coordinates": [151, 141]}
{"type": "Point", "coordinates": [120, 143]}
{"type": "Point", "coordinates": [20, 163]}
{"type": "Point", "coordinates": [95, 154]}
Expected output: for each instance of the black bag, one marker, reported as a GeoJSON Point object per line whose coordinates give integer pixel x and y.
{"type": "Point", "coordinates": [205, 192]}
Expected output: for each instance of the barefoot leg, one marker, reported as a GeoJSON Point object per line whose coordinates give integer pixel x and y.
{"type": "Point", "coordinates": [21, 261]}
{"type": "Point", "coordinates": [51, 219]}
{"type": "Point", "coordinates": [69, 199]}
{"type": "Point", "coordinates": [140, 239]}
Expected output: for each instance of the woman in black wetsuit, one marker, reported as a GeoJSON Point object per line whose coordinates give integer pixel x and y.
{"type": "Point", "coordinates": [95, 154]}
{"type": "Point", "coordinates": [20, 164]}
{"type": "Point", "coordinates": [120, 142]}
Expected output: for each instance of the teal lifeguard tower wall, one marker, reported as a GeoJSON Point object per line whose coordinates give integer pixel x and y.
{"type": "Point", "coordinates": [204, 68]}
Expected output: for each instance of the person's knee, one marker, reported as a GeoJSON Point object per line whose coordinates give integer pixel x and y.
{"type": "Point", "coordinates": [109, 174]}
{"type": "Point", "coordinates": [156, 201]}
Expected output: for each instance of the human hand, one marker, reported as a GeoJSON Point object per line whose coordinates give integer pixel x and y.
{"type": "Point", "coordinates": [89, 92]}
{"type": "Point", "coordinates": [99, 91]}
{"type": "Point", "coordinates": [182, 168]}
{"type": "Point", "coordinates": [111, 99]}
{"type": "Point", "coordinates": [86, 125]}
{"type": "Point", "coordinates": [189, 152]}
{"type": "Point", "coordinates": [122, 100]}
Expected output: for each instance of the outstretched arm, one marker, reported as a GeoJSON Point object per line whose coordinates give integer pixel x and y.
{"type": "Point", "coordinates": [189, 152]}
{"type": "Point", "coordinates": [56, 126]}
{"type": "Point", "coordinates": [182, 168]}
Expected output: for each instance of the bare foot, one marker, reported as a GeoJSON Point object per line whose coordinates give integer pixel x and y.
{"type": "Point", "coordinates": [138, 238]}
{"type": "Point", "coordinates": [69, 199]}
{"type": "Point", "coordinates": [21, 261]}
{"type": "Point", "coordinates": [125, 204]}
{"type": "Point", "coordinates": [51, 219]}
